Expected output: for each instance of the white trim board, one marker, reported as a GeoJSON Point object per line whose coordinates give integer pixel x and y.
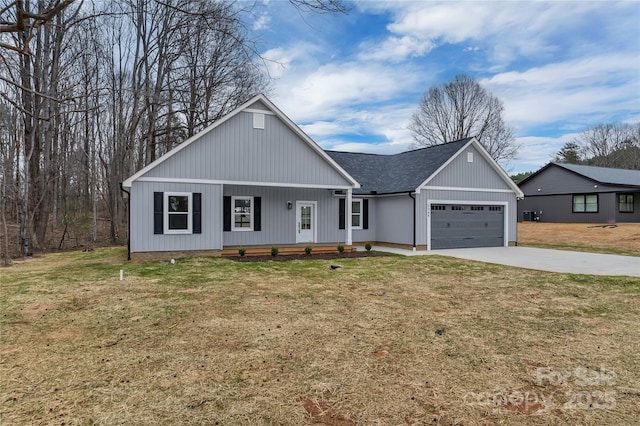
{"type": "Point", "coordinates": [259, 111]}
{"type": "Point", "coordinates": [458, 188]}
{"type": "Point", "coordinates": [240, 183]}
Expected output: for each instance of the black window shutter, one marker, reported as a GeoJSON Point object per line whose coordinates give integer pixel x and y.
{"type": "Point", "coordinates": [226, 215]}
{"type": "Point", "coordinates": [257, 214]}
{"type": "Point", "coordinates": [158, 213]}
{"type": "Point", "coordinates": [341, 213]}
{"type": "Point", "coordinates": [197, 213]}
{"type": "Point", "coordinates": [365, 214]}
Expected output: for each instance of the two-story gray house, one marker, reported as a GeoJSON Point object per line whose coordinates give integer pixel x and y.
{"type": "Point", "coordinates": [254, 179]}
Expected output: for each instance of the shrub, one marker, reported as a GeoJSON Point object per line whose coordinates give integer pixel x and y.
{"type": "Point", "coordinates": [274, 251]}
{"type": "Point", "coordinates": [340, 248]}
{"type": "Point", "coordinates": [242, 252]}
{"type": "Point", "coordinates": [308, 249]}
{"type": "Point", "coordinates": [367, 247]}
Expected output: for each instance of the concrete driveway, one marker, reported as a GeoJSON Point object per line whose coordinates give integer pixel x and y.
{"type": "Point", "coordinates": [542, 259]}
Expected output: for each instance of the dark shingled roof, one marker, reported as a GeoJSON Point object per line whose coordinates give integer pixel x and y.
{"type": "Point", "coordinates": [389, 174]}
{"type": "Point", "coordinates": [605, 174]}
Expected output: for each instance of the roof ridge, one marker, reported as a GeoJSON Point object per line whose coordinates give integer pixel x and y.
{"type": "Point", "coordinates": [403, 152]}
{"type": "Point", "coordinates": [593, 167]}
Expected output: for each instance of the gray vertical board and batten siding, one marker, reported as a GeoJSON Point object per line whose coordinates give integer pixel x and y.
{"type": "Point", "coordinates": [462, 174]}
{"type": "Point", "coordinates": [235, 151]}
{"type": "Point", "coordinates": [394, 222]}
{"type": "Point", "coordinates": [141, 227]}
{"type": "Point", "coordinates": [279, 223]}
{"type": "Point", "coordinates": [556, 180]}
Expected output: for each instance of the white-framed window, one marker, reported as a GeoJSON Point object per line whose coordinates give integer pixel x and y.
{"type": "Point", "coordinates": [585, 203]}
{"type": "Point", "coordinates": [178, 213]}
{"type": "Point", "coordinates": [356, 214]}
{"type": "Point", "coordinates": [242, 213]}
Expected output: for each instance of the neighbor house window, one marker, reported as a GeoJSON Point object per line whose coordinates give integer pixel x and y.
{"type": "Point", "coordinates": [356, 214]}
{"type": "Point", "coordinates": [178, 213]}
{"type": "Point", "coordinates": [587, 203]}
{"type": "Point", "coordinates": [242, 213]}
{"type": "Point", "coordinates": [625, 203]}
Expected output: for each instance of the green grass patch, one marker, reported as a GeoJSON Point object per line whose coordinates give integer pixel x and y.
{"type": "Point", "coordinates": [381, 340]}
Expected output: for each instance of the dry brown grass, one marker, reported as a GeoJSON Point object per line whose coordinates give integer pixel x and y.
{"type": "Point", "coordinates": [381, 341]}
{"type": "Point", "coordinates": [623, 237]}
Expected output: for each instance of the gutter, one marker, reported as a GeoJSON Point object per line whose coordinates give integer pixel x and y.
{"type": "Point", "coordinates": [412, 196]}
{"type": "Point", "coordinates": [128, 220]}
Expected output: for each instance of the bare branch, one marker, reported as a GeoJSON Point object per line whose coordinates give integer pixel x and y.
{"type": "Point", "coordinates": [23, 17]}
{"type": "Point", "coordinates": [460, 109]}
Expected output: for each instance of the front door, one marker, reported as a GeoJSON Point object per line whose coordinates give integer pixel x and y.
{"type": "Point", "coordinates": [305, 222]}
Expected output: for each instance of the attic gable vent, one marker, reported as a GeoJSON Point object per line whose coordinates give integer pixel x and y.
{"type": "Point", "coordinates": [258, 120]}
{"type": "Point", "coordinates": [470, 157]}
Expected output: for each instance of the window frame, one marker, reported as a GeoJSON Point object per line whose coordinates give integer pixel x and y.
{"type": "Point", "coordinates": [584, 203]}
{"type": "Point", "coordinates": [631, 204]}
{"type": "Point", "coordinates": [189, 213]}
{"type": "Point", "coordinates": [251, 213]}
{"type": "Point", "coordinates": [360, 214]}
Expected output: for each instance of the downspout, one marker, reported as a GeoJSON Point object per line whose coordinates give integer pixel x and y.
{"type": "Point", "coordinates": [414, 219]}
{"type": "Point", "coordinates": [128, 221]}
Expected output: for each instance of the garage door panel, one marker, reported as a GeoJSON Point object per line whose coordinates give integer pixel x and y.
{"type": "Point", "coordinates": [456, 226]}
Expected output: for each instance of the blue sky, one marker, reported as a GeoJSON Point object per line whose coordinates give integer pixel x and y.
{"type": "Point", "coordinates": [353, 81]}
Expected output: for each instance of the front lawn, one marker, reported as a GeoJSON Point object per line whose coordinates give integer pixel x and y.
{"type": "Point", "coordinates": [621, 238]}
{"type": "Point", "coordinates": [381, 340]}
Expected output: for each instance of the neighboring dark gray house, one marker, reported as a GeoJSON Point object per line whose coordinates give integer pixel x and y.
{"type": "Point", "coordinates": [254, 179]}
{"type": "Point", "coordinates": [585, 194]}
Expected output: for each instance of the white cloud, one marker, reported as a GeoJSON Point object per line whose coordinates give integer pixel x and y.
{"type": "Point", "coordinates": [331, 88]}
{"type": "Point", "coordinates": [578, 91]}
{"type": "Point", "coordinates": [507, 30]}
{"type": "Point", "coordinates": [395, 49]}
{"type": "Point", "coordinates": [262, 22]}
{"type": "Point", "coordinates": [382, 148]}
{"type": "Point", "coordinates": [277, 61]}
{"type": "Point", "coordinates": [536, 151]}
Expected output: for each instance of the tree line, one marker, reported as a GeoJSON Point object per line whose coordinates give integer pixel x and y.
{"type": "Point", "coordinates": [615, 145]}
{"type": "Point", "coordinates": [91, 92]}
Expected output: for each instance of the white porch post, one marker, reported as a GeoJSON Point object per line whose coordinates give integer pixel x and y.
{"type": "Point", "coordinates": [347, 218]}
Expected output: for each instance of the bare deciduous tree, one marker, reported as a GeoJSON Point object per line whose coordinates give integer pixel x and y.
{"type": "Point", "coordinates": [611, 145]}
{"type": "Point", "coordinates": [91, 92]}
{"type": "Point", "coordinates": [460, 109]}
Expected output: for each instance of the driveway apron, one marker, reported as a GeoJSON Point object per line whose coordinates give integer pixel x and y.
{"type": "Point", "coordinates": [572, 262]}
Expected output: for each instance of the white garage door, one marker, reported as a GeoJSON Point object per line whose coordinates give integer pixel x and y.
{"type": "Point", "coordinates": [459, 226]}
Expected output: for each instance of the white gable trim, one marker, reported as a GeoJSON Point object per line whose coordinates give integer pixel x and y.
{"type": "Point", "coordinates": [483, 152]}
{"type": "Point", "coordinates": [245, 107]}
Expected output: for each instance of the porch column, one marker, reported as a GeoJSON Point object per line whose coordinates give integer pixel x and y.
{"type": "Point", "coordinates": [348, 219]}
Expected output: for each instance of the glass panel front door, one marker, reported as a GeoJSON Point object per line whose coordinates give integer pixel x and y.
{"type": "Point", "coordinates": [305, 226]}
